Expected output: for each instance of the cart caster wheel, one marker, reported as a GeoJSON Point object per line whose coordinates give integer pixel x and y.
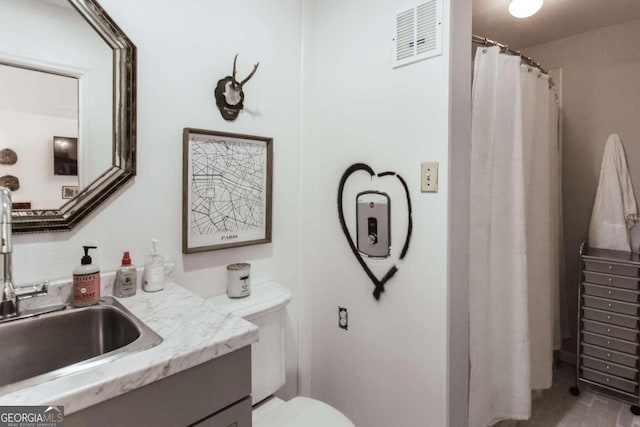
{"type": "Point", "coordinates": [635, 410]}
{"type": "Point", "coordinates": [575, 391]}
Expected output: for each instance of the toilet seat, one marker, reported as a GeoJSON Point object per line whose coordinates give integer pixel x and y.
{"type": "Point", "coordinates": [299, 412]}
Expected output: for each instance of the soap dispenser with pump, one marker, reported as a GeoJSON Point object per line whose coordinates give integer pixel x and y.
{"type": "Point", "coordinates": [86, 281]}
{"type": "Point", "coordinates": [154, 270]}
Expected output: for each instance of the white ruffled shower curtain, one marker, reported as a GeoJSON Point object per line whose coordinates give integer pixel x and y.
{"type": "Point", "coordinates": [515, 235]}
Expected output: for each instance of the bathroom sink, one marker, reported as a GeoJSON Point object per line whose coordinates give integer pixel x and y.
{"type": "Point", "coordinates": [45, 347]}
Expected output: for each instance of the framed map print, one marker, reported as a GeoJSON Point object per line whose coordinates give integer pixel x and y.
{"type": "Point", "coordinates": [226, 190]}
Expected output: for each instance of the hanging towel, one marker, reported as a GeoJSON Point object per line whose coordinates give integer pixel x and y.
{"type": "Point", "coordinates": [615, 209]}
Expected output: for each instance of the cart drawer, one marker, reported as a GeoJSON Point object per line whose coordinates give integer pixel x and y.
{"type": "Point", "coordinates": [611, 280]}
{"type": "Point", "coordinates": [610, 355]}
{"type": "Point", "coordinates": [611, 293]}
{"type": "Point", "coordinates": [611, 305]}
{"type": "Point", "coordinates": [612, 318]}
{"type": "Point", "coordinates": [609, 380]}
{"type": "Point", "coordinates": [610, 330]}
{"type": "Point", "coordinates": [612, 343]}
{"type": "Point", "coordinates": [611, 268]}
{"type": "Point", "coordinates": [610, 368]}
{"type": "Point", "coordinates": [608, 317]}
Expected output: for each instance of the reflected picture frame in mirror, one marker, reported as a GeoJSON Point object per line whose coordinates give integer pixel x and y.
{"type": "Point", "coordinates": [123, 165]}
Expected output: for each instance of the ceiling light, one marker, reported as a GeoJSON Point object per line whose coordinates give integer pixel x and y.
{"type": "Point", "coordinates": [524, 8]}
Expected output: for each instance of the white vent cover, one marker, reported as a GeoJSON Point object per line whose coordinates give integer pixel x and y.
{"type": "Point", "coordinates": [418, 33]}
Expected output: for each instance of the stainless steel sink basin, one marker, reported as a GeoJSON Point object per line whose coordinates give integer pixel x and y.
{"type": "Point", "coordinates": [41, 348]}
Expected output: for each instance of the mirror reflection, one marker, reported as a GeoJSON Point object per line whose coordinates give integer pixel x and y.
{"type": "Point", "coordinates": [39, 124]}
{"type": "Point", "coordinates": [56, 112]}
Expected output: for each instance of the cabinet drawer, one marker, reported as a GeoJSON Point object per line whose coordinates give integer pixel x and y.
{"type": "Point", "coordinates": [181, 399]}
{"type": "Point", "coordinates": [610, 380]}
{"type": "Point", "coordinates": [611, 280]}
{"type": "Point", "coordinates": [610, 355]}
{"type": "Point", "coordinates": [611, 293]}
{"type": "Point", "coordinates": [611, 305]}
{"type": "Point", "coordinates": [612, 268]}
{"type": "Point", "coordinates": [238, 415]}
{"type": "Point", "coordinates": [612, 343]}
{"type": "Point", "coordinates": [610, 330]}
{"type": "Point", "coordinates": [608, 317]}
{"type": "Point", "coordinates": [610, 368]}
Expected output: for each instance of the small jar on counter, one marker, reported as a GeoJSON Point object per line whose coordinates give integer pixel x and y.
{"type": "Point", "coordinates": [239, 280]}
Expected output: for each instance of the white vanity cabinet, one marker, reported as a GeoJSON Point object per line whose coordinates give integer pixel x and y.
{"type": "Point", "coordinates": [213, 394]}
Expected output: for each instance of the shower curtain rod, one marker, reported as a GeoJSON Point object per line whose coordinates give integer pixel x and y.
{"type": "Point", "coordinates": [483, 41]}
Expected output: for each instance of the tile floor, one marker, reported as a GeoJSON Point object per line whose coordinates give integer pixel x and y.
{"type": "Point", "coordinates": [558, 408]}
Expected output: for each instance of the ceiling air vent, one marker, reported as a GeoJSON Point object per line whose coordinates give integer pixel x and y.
{"type": "Point", "coordinates": [418, 33]}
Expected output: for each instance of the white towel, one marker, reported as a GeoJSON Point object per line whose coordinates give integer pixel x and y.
{"type": "Point", "coordinates": [615, 209]}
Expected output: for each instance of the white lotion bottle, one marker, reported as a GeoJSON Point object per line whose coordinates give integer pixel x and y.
{"type": "Point", "coordinates": [153, 276]}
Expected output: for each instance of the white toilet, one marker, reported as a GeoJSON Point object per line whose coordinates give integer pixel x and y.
{"type": "Point", "coordinates": [265, 307]}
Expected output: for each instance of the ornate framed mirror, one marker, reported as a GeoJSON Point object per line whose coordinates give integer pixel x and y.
{"type": "Point", "coordinates": [78, 43]}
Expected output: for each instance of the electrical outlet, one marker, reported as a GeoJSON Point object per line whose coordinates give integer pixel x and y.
{"type": "Point", "coordinates": [429, 177]}
{"type": "Point", "coordinates": [343, 318]}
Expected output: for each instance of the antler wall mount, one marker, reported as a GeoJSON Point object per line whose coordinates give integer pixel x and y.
{"type": "Point", "coordinates": [229, 95]}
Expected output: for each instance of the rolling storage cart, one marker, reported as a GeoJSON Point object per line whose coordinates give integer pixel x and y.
{"type": "Point", "coordinates": [608, 324]}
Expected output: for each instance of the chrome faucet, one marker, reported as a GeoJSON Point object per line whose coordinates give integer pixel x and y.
{"type": "Point", "coordinates": [8, 302]}
{"type": "Point", "coordinates": [10, 293]}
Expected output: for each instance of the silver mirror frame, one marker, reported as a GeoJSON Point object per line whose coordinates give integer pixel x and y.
{"type": "Point", "coordinates": [124, 133]}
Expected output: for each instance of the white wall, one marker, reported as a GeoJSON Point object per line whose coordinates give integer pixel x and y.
{"type": "Point", "coordinates": [390, 367]}
{"type": "Point", "coordinates": [459, 200]}
{"type": "Point", "coordinates": [601, 89]}
{"type": "Point", "coordinates": [183, 49]}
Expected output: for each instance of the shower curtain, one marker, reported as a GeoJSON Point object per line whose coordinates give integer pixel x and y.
{"type": "Point", "coordinates": [514, 243]}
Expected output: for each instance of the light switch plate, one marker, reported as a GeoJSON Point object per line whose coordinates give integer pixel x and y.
{"type": "Point", "coordinates": [429, 177]}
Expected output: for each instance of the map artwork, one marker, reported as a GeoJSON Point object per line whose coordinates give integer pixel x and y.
{"type": "Point", "coordinates": [227, 187]}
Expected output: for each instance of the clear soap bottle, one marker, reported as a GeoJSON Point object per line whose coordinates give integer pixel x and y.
{"type": "Point", "coordinates": [154, 270]}
{"type": "Point", "coordinates": [126, 283]}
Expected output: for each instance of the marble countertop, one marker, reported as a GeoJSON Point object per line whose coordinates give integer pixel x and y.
{"type": "Point", "coordinates": [194, 331]}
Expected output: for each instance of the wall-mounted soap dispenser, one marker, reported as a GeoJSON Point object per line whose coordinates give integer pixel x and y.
{"type": "Point", "coordinates": [373, 226]}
